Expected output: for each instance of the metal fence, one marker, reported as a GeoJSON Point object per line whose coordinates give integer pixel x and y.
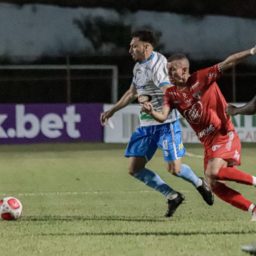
{"type": "Point", "coordinates": [72, 80]}
{"type": "Point", "coordinates": [92, 83]}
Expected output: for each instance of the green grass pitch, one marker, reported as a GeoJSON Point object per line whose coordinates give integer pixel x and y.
{"type": "Point", "coordinates": [78, 199]}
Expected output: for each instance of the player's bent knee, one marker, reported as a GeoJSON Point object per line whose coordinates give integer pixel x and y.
{"type": "Point", "coordinates": [210, 175]}
{"type": "Point", "coordinates": [133, 171]}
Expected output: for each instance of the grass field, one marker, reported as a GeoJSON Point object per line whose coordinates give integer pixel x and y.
{"type": "Point", "coordinates": [79, 200]}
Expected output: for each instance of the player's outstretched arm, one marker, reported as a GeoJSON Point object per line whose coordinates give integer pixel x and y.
{"type": "Point", "coordinates": [158, 116]}
{"type": "Point", "coordinates": [247, 109]}
{"type": "Point", "coordinates": [129, 96]}
{"type": "Point", "coordinates": [234, 59]}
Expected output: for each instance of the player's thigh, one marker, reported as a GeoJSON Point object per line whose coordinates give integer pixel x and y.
{"type": "Point", "coordinates": [214, 165]}
{"type": "Point", "coordinates": [224, 151]}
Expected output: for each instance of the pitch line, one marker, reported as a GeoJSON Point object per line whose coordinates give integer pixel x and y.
{"type": "Point", "coordinates": [69, 193]}
{"type": "Point", "coordinates": [194, 155]}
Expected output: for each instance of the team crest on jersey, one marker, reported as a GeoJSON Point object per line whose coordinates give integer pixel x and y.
{"type": "Point", "coordinates": [142, 77]}
{"type": "Point", "coordinates": [194, 113]}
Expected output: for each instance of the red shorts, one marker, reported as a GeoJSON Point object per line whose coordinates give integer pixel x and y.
{"type": "Point", "coordinates": [227, 147]}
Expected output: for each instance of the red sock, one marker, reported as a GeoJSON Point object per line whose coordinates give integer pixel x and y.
{"type": "Point", "coordinates": [231, 196]}
{"type": "Point", "coordinates": [233, 174]}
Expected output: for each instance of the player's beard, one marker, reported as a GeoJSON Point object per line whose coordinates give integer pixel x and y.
{"type": "Point", "coordinates": [181, 80]}
{"type": "Point", "coordinates": [137, 56]}
{"type": "Point", "coordinates": [177, 80]}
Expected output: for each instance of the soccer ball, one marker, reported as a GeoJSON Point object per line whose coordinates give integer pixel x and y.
{"type": "Point", "coordinates": [10, 208]}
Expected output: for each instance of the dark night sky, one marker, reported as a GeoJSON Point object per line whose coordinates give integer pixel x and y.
{"type": "Point", "coordinates": [238, 8]}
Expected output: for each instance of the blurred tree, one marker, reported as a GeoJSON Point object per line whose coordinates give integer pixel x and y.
{"type": "Point", "coordinates": [107, 35]}
{"type": "Point", "coordinates": [239, 8]}
{"type": "Point", "coordinates": [101, 32]}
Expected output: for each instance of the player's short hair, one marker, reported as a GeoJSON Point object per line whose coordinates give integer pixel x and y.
{"type": "Point", "coordinates": [145, 36]}
{"type": "Point", "coordinates": [177, 56]}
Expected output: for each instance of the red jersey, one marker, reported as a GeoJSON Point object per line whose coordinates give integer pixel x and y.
{"type": "Point", "coordinates": [202, 104]}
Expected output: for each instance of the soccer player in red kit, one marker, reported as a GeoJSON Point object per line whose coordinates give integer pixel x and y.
{"type": "Point", "coordinates": [200, 101]}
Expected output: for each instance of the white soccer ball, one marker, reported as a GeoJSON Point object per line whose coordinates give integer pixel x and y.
{"type": "Point", "coordinates": [10, 208]}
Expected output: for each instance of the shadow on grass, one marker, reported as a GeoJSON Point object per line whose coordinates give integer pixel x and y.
{"type": "Point", "coordinates": [55, 218]}
{"type": "Point", "coordinates": [156, 233]}
{"type": "Point", "coordinates": [91, 218]}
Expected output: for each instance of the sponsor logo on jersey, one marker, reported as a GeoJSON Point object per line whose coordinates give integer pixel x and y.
{"type": "Point", "coordinates": [212, 75]}
{"type": "Point", "coordinates": [206, 131]}
{"type": "Point", "coordinates": [215, 147]}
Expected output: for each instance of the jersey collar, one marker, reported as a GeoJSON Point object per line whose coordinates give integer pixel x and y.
{"type": "Point", "coordinates": [148, 59]}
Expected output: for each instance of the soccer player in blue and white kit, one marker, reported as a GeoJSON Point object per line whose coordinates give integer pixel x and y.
{"type": "Point", "coordinates": [150, 80]}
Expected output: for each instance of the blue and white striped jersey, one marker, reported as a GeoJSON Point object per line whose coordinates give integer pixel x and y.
{"type": "Point", "coordinates": [148, 77]}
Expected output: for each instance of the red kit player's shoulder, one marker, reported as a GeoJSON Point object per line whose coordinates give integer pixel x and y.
{"type": "Point", "coordinates": [205, 77]}
{"type": "Point", "coordinates": [209, 71]}
{"type": "Point", "coordinates": [170, 93]}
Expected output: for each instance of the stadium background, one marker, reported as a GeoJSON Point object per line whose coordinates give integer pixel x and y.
{"type": "Point", "coordinates": [78, 198]}
{"type": "Point", "coordinates": [41, 42]}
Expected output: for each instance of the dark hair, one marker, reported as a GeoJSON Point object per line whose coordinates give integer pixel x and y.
{"type": "Point", "coordinates": [177, 56]}
{"type": "Point", "coordinates": [145, 36]}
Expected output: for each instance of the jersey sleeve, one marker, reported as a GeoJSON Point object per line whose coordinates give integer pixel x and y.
{"type": "Point", "coordinates": [160, 74]}
{"type": "Point", "coordinates": [209, 75]}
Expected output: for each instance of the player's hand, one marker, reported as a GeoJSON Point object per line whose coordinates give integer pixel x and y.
{"type": "Point", "coordinates": [105, 116]}
{"type": "Point", "coordinates": [253, 50]}
{"type": "Point", "coordinates": [144, 98]}
{"type": "Point", "coordinates": [231, 110]}
{"type": "Point", "coordinates": [147, 107]}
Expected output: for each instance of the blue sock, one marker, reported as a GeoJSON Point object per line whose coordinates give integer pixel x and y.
{"type": "Point", "coordinates": [154, 181]}
{"type": "Point", "coordinates": [187, 174]}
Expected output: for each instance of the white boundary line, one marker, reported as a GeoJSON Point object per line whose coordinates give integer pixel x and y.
{"type": "Point", "coordinates": [194, 155]}
{"type": "Point", "coordinates": [69, 193]}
